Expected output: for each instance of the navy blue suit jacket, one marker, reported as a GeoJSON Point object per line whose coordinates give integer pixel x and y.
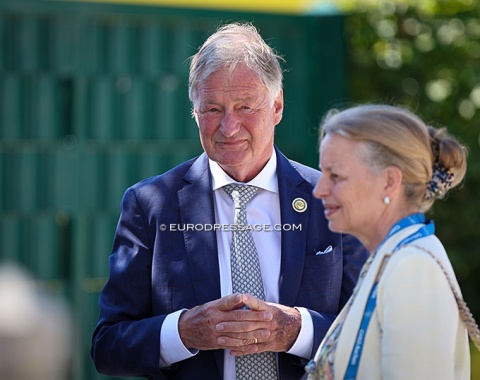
{"type": "Point", "coordinates": [155, 271]}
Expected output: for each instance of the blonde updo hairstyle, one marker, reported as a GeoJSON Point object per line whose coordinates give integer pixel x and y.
{"type": "Point", "coordinates": [431, 160]}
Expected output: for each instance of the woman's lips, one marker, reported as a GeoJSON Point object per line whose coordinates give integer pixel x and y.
{"type": "Point", "coordinates": [330, 210]}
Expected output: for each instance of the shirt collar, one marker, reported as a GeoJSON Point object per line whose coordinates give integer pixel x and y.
{"type": "Point", "coordinates": [266, 179]}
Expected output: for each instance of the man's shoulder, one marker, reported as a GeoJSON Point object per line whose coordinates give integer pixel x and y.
{"type": "Point", "coordinates": [306, 172]}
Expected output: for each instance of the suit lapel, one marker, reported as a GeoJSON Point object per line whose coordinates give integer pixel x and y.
{"type": "Point", "coordinates": [196, 209]}
{"type": "Point", "coordinates": [291, 186]}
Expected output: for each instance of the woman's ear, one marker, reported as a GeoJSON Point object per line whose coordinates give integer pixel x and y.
{"type": "Point", "coordinates": [393, 181]}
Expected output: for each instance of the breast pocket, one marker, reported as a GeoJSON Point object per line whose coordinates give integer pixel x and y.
{"type": "Point", "coordinates": [322, 280]}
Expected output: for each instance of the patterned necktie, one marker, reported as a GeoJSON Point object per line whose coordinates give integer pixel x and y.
{"type": "Point", "coordinates": [247, 278]}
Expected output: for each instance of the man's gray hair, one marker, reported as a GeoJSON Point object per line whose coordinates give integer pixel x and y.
{"type": "Point", "coordinates": [232, 45]}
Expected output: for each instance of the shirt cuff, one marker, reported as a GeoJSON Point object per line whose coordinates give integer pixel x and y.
{"type": "Point", "coordinates": [304, 344]}
{"type": "Point", "coordinates": [172, 349]}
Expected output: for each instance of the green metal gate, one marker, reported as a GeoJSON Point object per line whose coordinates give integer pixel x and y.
{"type": "Point", "coordinates": [93, 97]}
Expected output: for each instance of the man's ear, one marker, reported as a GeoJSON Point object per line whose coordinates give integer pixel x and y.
{"type": "Point", "coordinates": [195, 116]}
{"type": "Point", "coordinates": [278, 107]}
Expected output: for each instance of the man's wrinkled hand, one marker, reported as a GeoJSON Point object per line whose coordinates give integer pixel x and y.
{"type": "Point", "coordinates": [198, 327]}
{"type": "Point", "coordinates": [265, 327]}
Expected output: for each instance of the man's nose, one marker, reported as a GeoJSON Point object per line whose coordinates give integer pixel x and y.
{"type": "Point", "coordinates": [230, 124]}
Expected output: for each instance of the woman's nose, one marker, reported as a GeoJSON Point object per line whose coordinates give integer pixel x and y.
{"type": "Point", "coordinates": [321, 189]}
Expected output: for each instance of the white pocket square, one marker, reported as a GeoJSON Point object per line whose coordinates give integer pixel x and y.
{"type": "Point", "coordinates": [327, 250]}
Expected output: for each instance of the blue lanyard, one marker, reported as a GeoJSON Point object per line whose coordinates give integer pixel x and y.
{"type": "Point", "coordinates": [426, 230]}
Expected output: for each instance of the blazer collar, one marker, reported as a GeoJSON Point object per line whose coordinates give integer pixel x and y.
{"type": "Point", "coordinates": [196, 208]}
{"type": "Point", "coordinates": [195, 200]}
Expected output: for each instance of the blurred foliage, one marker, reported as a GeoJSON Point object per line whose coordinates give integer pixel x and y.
{"type": "Point", "coordinates": [426, 56]}
{"type": "Point", "coordinates": [475, 363]}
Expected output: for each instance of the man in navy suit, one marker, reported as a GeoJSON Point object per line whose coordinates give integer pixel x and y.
{"type": "Point", "coordinates": [168, 309]}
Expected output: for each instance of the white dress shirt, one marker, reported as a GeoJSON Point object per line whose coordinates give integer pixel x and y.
{"type": "Point", "coordinates": [263, 213]}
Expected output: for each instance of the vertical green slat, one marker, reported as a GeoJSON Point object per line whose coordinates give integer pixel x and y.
{"type": "Point", "coordinates": [123, 107]}
{"type": "Point", "coordinates": [140, 104]}
{"type": "Point", "coordinates": [103, 228]}
{"type": "Point", "coordinates": [182, 153]}
{"type": "Point", "coordinates": [164, 107]}
{"type": "Point", "coordinates": [27, 83]}
{"type": "Point", "coordinates": [64, 187]}
{"type": "Point", "coordinates": [3, 42]}
{"type": "Point", "coordinates": [122, 175]}
{"type": "Point", "coordinates": [92, 181]}
{"type": "Point", "coordinates": [132, 107]}
{"type": "Point", "coordinates": [43, 43]}
{"type": "Point", "coordinates": [175, 84]}
{"type": "Point", "coordinates": [100, 177]}
{"type": "Point", "coordinates": [25, 251]}
{"type": "Point", "coordinates": [28, 53]}
{"type": "Point", "coordinates": [103, 49]}
{"type": "Point", "coordinates": [28, 178]}
{"type": "Point", "coordinates": [150, 52]}
{"type": "Point", "coordinates": [44, 252]}
{"type": "Point", "coordinates": [46, 109]}
{"type": "Point", "coordinates": [182, 48]}
{"type": "Point", "coordinates": [63, 42]}
{"type": "Point", "coordinates": [118, 48]}
{"type": "Point", "coordinates": [101, 90]}
{"type": "Point", "coordinates": [90, 49]}
{"type": "Point", "coordinates": [64, 110]}
{"type": "Point", "coordinates": [150, 164]}
{"type": "Point", "coordinates": [11, 41]}
{"type": "Point", "coordinates": [184, 119]}
{"type": "Point", "coordinates": [42, 172]}
{"type": "Point", "coordinates": [10, 182]}
{"type": "Point", "coordinates": [10, 106]}
{"type": "Point", "coordinates": [147, 109]}
{"type": "Point", "coordinates": [134, 47]}
{"type": "Point", "coordinates": [10, 245]}
{"type": "Point", "coordinates": [4, 183]}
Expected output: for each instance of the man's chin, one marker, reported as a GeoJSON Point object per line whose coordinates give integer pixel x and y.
{"type": "Point", "coordinates": [231, 160]}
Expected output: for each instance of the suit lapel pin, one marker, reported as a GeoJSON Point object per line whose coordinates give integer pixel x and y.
{"type": "Point", "coordinates": [299, 204]}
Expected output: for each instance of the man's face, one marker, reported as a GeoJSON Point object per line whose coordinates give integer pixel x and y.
{"type": "Point", "coordinates": [236, 119]}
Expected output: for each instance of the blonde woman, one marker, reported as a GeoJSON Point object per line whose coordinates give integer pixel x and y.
{"type": "Point", "coordinates": [383, 167]}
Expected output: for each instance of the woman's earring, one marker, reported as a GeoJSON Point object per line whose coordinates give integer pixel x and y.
{"type": "Point", "coordinates": [386, 200]}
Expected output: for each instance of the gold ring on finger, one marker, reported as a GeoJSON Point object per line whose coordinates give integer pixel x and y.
{"type": "Point", "coordinates": [256, 341]}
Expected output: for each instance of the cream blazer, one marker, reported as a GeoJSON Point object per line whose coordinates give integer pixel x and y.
{"type": "Point", "coordinates": [415, 331]}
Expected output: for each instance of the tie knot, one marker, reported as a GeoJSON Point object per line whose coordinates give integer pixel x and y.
{"type": "Point", "coordinates": [240, 194]}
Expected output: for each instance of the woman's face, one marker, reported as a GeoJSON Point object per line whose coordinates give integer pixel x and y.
{"type": "Point", "coordinates": [351, 192]}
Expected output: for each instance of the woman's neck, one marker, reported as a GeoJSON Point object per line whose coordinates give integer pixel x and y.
{"type": "Point", "coordinates": [383, 228]}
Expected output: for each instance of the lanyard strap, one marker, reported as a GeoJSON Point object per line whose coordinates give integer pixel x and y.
{"type": "Point", "coordinates": [426, 230]}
